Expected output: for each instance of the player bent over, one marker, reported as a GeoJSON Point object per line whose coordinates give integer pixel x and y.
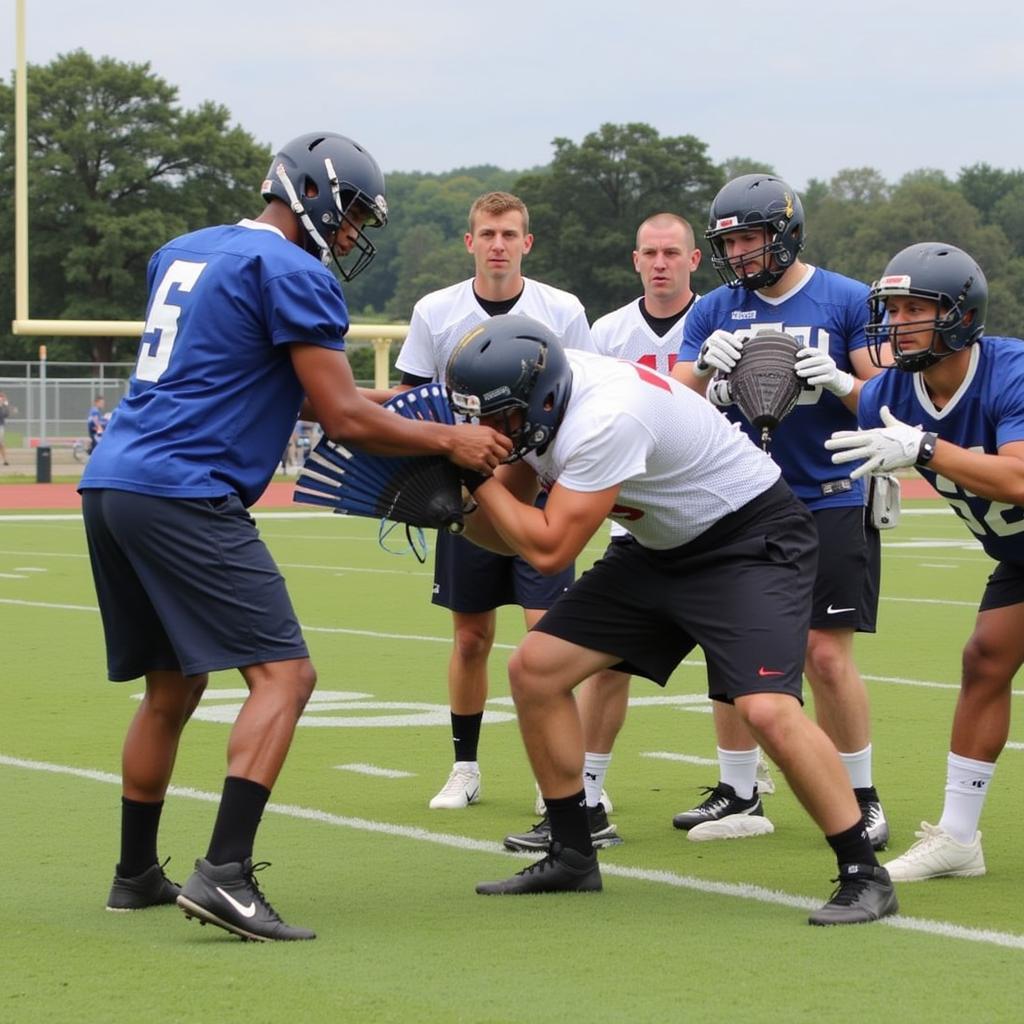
{"type": "Point", "coordinates": [723, 557]}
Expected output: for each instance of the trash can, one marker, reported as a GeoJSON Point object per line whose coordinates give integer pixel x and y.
{"type": "Point", "coordinates": [44, 464]}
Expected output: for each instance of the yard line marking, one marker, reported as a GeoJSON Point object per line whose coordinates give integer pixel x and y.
{"type": "Point", "coordinates": [756, 893]}
{"type": "Point", "coordinates": [29, 568]}
{"type": "Point", "coordinates": [12, 576]}
{"type": "Point", "coordinates": [371, 769]}
{"type": "Point", "coordinates": [667, 755]}
{"type": "Point", "coordinates": [379, 635]}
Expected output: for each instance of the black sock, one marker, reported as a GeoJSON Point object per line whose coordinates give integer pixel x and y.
{"type": "Point", "coordinates": [241, 807]}
{"type": "Point", "coordinates": [139, 825]}
{"type": "Point", "coordinates": [853, 846]}
{"type": "Point", "coordinates": [570, 824]}
{"type": "Point", "coordinates": [466, 735]}
{"type": "Point", "coordinates": [866, 794]}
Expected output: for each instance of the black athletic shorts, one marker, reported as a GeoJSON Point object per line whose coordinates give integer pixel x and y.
{"type": "Point", "coordinates": [1005, 587]}
{"type": "Point", "coordinates": [185, 585]}
{"type": "Point", "coordinates": [468, 578]}
{"type": "Point", "coordinates": [741, 591]}
{"type": "Point", "coordinates": [849, 571]}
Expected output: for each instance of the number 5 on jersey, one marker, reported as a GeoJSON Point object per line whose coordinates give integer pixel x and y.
{"type": "Point", "coordinates": [163, 320]}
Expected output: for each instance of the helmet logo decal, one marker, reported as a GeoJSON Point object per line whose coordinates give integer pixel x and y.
{"type": "Point", "coordinates": [726, 222]}
{"type": "Point", "coordinates": [498, 393]}
{"type": "Point", "coordinates": [469, 404]}
{"type": "Point", "coordinates": [789, 205]}
{"type": "Point", "coordinates": [895, 283]}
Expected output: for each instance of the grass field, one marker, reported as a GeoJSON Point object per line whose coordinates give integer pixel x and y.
{"type": "Point", "coordinates": [683, 931]}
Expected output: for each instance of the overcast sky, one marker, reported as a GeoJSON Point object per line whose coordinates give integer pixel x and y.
{"type": "Point", "coordinates": [809, 88]}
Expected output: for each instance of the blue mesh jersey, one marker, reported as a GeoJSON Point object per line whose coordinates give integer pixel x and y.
{"type": "Point", "coordinates": [826, 310]}
{"type": "Point", "coordinates": [213, 399]}
{"type": "Point", "coordinates": [987, 411]}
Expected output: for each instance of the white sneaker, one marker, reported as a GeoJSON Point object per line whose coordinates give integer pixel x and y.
{"type": "Point", "coordinates": [765, 782]}
{"type": "Point", "coordinates": [461, 789]}
{"type": "Point", "coordinates": [936, 854]}
{"type": "Point", "coordinates": [733, 826]}
{"type": "Point", "coordinates": [541, 810]}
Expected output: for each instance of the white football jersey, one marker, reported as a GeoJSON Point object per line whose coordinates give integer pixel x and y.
{"type": "Point", "coordinates": [443, 318]}
{"type": "Point", "coordinates": [681, 465]}
{"type": "Point", "coordinates": [625, 334]}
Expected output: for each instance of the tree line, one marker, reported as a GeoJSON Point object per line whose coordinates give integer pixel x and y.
{"type": "Point", "coordinates": [117, 167]}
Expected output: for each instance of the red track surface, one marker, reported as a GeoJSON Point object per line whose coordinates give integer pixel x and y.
{"type": "Point", "coordinates": [277, 495]}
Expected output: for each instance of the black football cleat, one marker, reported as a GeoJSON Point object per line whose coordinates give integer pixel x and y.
{"type": "Point", "coordinates": [150, 889]}
{"type": "Point", "coordinates": [864, 893]}
{"type": "Point", "coordinates": [227, 896]}
{"type": "Point", "coordinates": [562, 870]}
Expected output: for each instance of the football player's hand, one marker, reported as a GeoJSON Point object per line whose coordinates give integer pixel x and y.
{"type": "Point", "coordinates": [892, 446]}
{"type": "Point", "coordinates": [818, 369]}
{"type": "Point", "coordinates": [471, 479]}
{"type": "Point", "coordinates": [721, 351]}
{"type": "Point", "coordinates": [479, 448]}
{"type": "Point", "coordinates": [719, 393]}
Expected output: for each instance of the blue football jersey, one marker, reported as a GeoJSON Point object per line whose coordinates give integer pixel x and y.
{"type": "Point", "coordinates": [828, 311]}
{"type": "Point", "coordinates": [213, 399]}
{"type": "Point", "coordinates": [986, 412]}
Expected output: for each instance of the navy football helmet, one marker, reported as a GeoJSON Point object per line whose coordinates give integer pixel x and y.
{"type": "Point", "coordinates": [510, 363]}
{"type": "Point", "coordinates": [758, 201]}
{"type": "Point", "coordinates": [325, 178]}
{"type": "Point", "coordinates": [940, 273]}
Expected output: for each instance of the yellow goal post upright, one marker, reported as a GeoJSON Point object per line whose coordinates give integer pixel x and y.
{"type": "Point", "coordinates": [380, 335]}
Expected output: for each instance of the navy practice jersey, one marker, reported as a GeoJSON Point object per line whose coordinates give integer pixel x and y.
{"type": "Point", "coordinates": [214, 398]}
{"type": "Point", "coordinates": [987, 411]}
{"type": "Point", "coordinates": [826, 310]}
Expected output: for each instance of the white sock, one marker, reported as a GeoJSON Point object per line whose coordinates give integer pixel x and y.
{"type": "Point", "coordinates": [595, 767]}
{"type": "Point", "coordinates": [858, 766]}
{"type": "Point", "coordinates": [966, 788]}
{"type": "Point", "coordinates": [738, 768]}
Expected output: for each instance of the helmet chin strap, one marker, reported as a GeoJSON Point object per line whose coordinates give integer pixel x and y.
{"type": "Point", "coordinates": [299, 210]}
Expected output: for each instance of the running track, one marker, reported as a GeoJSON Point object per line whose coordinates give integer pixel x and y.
{"type": "Point", "coordinates": [277, 495]}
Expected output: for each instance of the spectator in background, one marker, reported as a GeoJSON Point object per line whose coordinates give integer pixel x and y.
{"type": "Point", "coordinates": [96, 422]}
{"type": "Point", "coordinates": [5, 412]}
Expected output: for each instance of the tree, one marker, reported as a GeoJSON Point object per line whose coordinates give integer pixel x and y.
{"type": "Point", "coordinates": [586, 208]}
{"type": "Point", "coordinates": [116, 168]}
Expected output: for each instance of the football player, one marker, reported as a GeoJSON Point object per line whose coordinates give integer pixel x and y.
{"type": "Point", "coordinates": [722, 555]}
{"type": "Point", "coordinates": [470, 582]}
{"type": "Point", "coordinates": [244, 321]}
{"type": "Point", "coordinates": [649, 331]}
{"type": "Point", "coordinates": [964, 394]}
{"type": "Point", "coordinates": [756, 232]}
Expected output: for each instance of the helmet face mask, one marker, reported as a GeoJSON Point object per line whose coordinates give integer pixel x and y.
{"type": "Point", "coordinates": [751, 202]}
{"type": "Point", "coordinates": [512, 370]}
{"type": "Point", "coordinates": [334, 187]}
{"type": "Point", "coordinates": [937, 273]}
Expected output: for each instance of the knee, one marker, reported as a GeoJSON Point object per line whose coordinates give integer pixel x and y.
{"type": "Point", "coordinates": [981, 666]}
{"type": "Point", "coordinates": [525, 680]}
{"type": "Point", "coordinates": [826, 660]}
{"type": "Point", "coordinates": [305, 683]}
{"type": "Point", "coordinates": [473, 643]}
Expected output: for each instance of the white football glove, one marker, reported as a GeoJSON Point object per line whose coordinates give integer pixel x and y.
{"type": "Point", "coordinates": [721, 351]}
{"type": "Point", "coordinates": [892, 446]}
{"type": "Point", "coordinates": [818, 368]}
{"type": "Point", "coordinates": [718, 392]}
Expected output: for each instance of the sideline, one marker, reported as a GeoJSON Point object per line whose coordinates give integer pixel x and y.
{"type": "Point", "coordinates": [755, 893]}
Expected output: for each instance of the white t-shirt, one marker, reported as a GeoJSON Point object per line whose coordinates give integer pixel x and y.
{"type": "Point", "coordinates": [681, 464]}
{"type": "Point", "coordinates": [625, 334]}
{"type": "Point", "coordinates": [443, 318]}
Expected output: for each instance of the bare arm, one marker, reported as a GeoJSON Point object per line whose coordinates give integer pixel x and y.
{"type": "Point", "coordinates": [346, 416]}
{"type": "Point", "coordinates": [683, 372]}
{"type": "Point", "coordinates": [549, 538]}
{"type": "Point", "coordinates": [521, 482]}
{"type": "Point", "coordinates": [996, 477]}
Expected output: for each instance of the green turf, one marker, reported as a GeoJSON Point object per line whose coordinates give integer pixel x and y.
{"type": "Point", "coordinates": [388, 884]}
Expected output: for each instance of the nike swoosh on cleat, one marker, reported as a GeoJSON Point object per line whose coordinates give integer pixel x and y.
{"type": "Point", "coordinates": [762, 671]}
{"type": "Point", "coordinates": [245, 911]}
{"type": "Point", "coordinates": [835, 611]}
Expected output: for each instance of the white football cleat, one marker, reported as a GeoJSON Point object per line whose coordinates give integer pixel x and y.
{"type": "Point", "coordinates": [936, 854]}
{"type": "Point", "coordinates": [461, 789]}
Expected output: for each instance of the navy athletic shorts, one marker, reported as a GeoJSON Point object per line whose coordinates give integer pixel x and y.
{"type": "Point", "coordinates": [741, 591]}
{"type": "Point", "coordinates": [849, 571]}
{"type": "Point", "coordinates": [185, 585]}
{"type": "Point", "coordinates": [469, 578]}
{"type": "Point", "coordinates": [1005, 587]}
